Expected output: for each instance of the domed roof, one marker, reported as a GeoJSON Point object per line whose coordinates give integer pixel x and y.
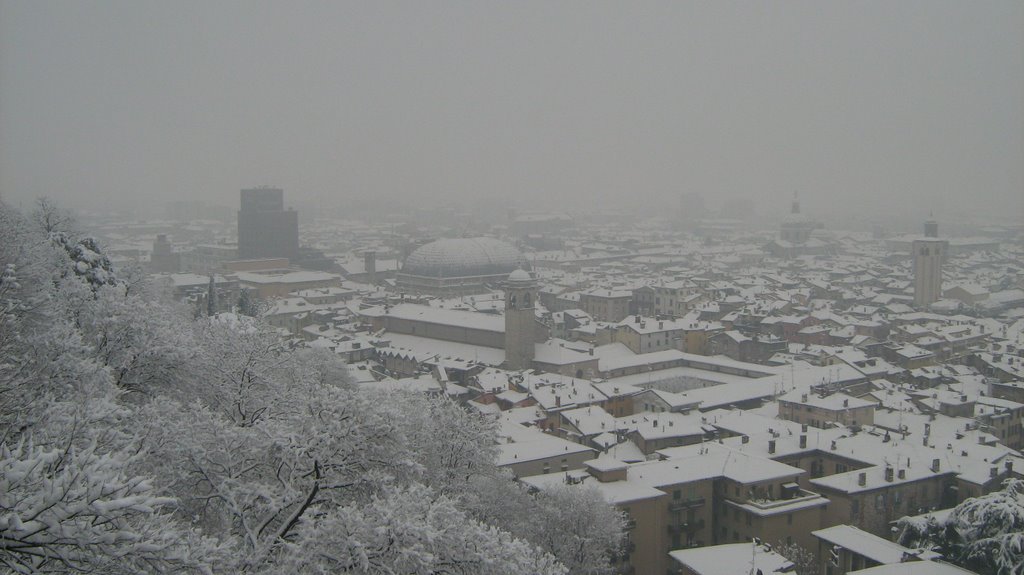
{"type": "Point", "coordinates": [462, 257]}
{"type": "Point", "coordinates": [520, 275]}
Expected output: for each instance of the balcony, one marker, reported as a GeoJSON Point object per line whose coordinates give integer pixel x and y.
{"type": "Point", "coordinates": [686, 526]}
{"type": "Point", "coordinates": [682, 504]}
{"type": "Point", "coordinates": [798, 500]}
{"type": "Point", "coordinates": [630, 524]}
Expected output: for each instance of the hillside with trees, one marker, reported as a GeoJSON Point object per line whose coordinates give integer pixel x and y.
{"type": "Point", "coordinates": [137, 438]}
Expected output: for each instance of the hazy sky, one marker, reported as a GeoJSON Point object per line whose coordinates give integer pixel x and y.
{"type": "Point", "coordinates": [858, 105]}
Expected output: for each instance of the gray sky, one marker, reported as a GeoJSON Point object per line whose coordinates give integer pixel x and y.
{"type": "Point", "coordinates": [902, 106]}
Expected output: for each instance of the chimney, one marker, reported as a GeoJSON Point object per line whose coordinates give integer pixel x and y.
{"type": "Point", "coordinates": [803, 442]}
{"type": "Point", "coordinates": [803, 398]}
{"type": "Point", "coordinates": [846, 403]}
{"type": "Point", "coordinates": [661, 325]}
{"type": "Point", "coordinates": [745, 439]}
{"type": "Point", "coordinates": [590, 351]}
{"type": "Point", "coordinates": [771, 446]}
{"type": "Point", "coordinates": [888, 474]}
{"type": "Point", "coordinates": [862, 479]}
{"type": "Point", "coordinates": [558, 401]}
{"type": "Point", "coordinates": [935, 466]}
{"type": "Point", "coordinates": [1009, 467]}
{"type": "Point", "coordinates": [834, 445]}
{"type": "Point", "coordinates": [902, 474]}
{"type": "Point", "coordinates": [637, 320]}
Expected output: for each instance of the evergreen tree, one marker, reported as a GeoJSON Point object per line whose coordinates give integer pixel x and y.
{"type": "Point", "coordinates": [984, 534]}
{"type": "Point", "coordinates": [247, 304]}
{"type": "Point", "coordinates": [211, 298]}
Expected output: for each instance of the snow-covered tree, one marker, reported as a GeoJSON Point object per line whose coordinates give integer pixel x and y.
{"type": "Point", "coordinates": [87, 259]}
{"type": "Point", "coordinates": [248, 304]}
{"type": "Point", "coordinates": [67, 499]}
{"type": "Point", "coordinates": [985, 534]}
{"type": "Point", "coordinates": [804, 561]}
{"type": "Point", "coordinates": [579, 528]}
{"type": "Point", "coordinates": [76, 510]}
{"type": "Point", "coordinates": [416, 531]}
{"type": "Point", "coordinates": [455, 453]}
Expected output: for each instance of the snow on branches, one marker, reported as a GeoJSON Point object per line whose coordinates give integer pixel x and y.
{"type": "Point", "coordinates": [985, 534]}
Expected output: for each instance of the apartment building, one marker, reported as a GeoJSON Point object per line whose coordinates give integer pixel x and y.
{"type": "Point", "coordinates": [821, 410]}
{"type": "Point", "coordinates": [669, 299]}
{"type": "Point", "coordinates": [606, 304]}
{"type": "Point", "coordinates": [699, 495]}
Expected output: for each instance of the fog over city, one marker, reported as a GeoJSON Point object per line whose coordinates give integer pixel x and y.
{"type": "Point", "coordinates": [512, 287]}
{"type": "Point", "coordinates": [870, 108]}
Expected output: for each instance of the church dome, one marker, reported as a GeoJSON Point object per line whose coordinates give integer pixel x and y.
{"type": "Point", "coordinates": [520, 275]}
{"type": "Point", "coordinates": [463, 257]}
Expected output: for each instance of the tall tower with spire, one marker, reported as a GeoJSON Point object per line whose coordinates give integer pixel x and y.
{"type": "Point", "coordinates": [796, 229]}
{"type": "Point", "coordinates": [520, 299]}
{"type": "Point", "coordinates": [931, 227]}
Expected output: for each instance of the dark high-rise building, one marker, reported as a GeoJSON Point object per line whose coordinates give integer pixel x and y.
{"type": "Point", "coordinates": [265, 228]}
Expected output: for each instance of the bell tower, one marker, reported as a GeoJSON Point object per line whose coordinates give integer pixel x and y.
{"type": "Point", "coordinates": [520, 299]}
{"type": "Point", "coordinates": [928, 253]}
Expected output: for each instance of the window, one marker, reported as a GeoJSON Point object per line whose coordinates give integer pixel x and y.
{"type": "Point", "coordinates": [677, 494]}
{"type": "Point", "coordinates": [854, 508]}
{"type": "Point", "coordinates": [880, 501]}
